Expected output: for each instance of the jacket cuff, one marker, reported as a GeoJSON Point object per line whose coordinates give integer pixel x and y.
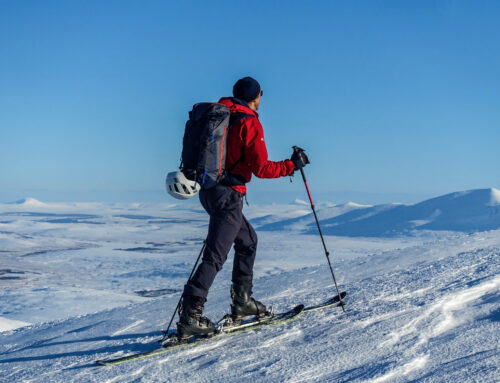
{"type": "Point", "coordinates": [290, 167]}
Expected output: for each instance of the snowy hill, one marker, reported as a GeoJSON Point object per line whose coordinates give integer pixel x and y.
{"type": "Point", "coordinates": [30, 202]}
{"type": "Point", "coordinates": [81, 282]}
{"type": "Point", "coordinates": [468, 211]}
{"type": "Point", "coordinates": [324, 211]}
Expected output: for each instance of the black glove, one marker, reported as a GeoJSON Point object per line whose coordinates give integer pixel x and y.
{"type": "Point", "coordinates": [299, 158]}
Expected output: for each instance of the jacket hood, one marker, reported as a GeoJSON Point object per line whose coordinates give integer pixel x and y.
{"type": "Point", "coordinates": [236, 105]}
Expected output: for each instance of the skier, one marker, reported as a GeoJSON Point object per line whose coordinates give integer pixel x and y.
{"type": "Point", "coordinates": [246, 155]}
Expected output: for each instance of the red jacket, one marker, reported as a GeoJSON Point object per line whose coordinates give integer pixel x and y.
{"type": "Point", "coordinates": [245, 140]}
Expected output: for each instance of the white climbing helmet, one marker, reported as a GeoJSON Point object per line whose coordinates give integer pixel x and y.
{"type": "Point", "coordinates": [178, 186]}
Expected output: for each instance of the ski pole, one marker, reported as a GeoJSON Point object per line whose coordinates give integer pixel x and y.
{"type": "Point", "coordinates": [165, 333]}
{"type": "Point", "coordinates": [327, 253]}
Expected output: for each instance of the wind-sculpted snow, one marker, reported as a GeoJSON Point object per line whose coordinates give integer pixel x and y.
{"type": "Point", "coordinates": [420, 308]}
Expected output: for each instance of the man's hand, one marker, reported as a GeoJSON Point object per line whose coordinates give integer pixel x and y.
{"type": "Point", "coordinates": [299, 158]}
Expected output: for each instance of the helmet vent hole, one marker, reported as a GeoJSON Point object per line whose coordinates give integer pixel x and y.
{"type": "Point", "coordinates": [186, 190]}
{"type": "Point", "coordinates": [176, 188]}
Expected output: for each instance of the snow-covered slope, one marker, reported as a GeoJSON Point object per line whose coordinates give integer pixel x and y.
{"type": "Point", "coordinates": [474, 210]}
{"type": "Point", "coordinates": [324, 211]}
{"type": "Point", "coordinates": [30, 202]}
{"type": "Point", "coordinates": [97, 280]}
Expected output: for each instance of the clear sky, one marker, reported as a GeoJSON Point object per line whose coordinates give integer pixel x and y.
{"type": "Point", "coordinates": [393, 100]}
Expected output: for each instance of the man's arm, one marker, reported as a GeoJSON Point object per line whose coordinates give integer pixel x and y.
{"type": "Point", "coordinates": [256, 153]}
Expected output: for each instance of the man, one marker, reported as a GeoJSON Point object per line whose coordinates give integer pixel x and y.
{"type": "Point", "coordinates": [246, 155]}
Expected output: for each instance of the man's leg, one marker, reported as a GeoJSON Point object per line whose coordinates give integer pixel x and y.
{"type": "Point", "coordinates": [245, 249]}
{"type": "Point", "coordinates": [224, 205]}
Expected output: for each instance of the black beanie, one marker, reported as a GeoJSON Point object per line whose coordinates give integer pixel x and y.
{"type": "Point", "coordinates": [246, 89]}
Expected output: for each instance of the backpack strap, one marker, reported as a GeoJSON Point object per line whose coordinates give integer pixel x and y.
{"type": "Point", "coordinates": [232, 120]}
{"type": "Point", "coordinates": [234, 165]}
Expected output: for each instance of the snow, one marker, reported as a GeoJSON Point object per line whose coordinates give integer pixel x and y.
{"type": "Point", "coordinates": [461, 211]}
{"type": "Point", "coordinates": [30, 202]}
{"type": "Point", "coordinates": [495, 197]}
{"type": "Point", "coordinates": [83, 281]}
{"type": "Point", "coordinates": [9, 324]}
{"type": "Point", "coordinates": [300, 202]}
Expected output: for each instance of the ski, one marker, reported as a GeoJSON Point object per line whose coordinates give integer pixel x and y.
{"type": "Point", "coordinates": [173, 343]}
{"type": "Point", "coordinates": [334, 301]}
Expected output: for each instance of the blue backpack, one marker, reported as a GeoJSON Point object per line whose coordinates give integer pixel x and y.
{"type": "Point", "coordinates": [204, 145]}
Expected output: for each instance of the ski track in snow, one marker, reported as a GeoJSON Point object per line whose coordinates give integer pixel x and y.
{"type": "Point", "coordinates": [419, 309]}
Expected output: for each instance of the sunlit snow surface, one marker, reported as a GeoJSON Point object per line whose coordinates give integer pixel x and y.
{"type": "Point", "coordinates": [86, 281]}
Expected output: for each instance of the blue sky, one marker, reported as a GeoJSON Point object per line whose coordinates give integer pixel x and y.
{"type": "Point", "coordinates": [392, 100]}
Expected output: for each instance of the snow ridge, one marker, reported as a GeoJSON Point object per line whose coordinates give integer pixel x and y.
{"type": "Point", "coordinates": [466, 211]}
{"type": "Point", "coordinates": [30, 202]}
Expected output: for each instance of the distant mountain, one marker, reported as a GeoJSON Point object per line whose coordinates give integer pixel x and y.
{"type": "Point", "coordinates": [324, 212]}
{"type": "Point", "coordinates": [473, 210]}
{"type": "Point", "coordinates": [30, 202]}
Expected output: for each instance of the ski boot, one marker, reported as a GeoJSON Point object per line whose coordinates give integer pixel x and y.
{"type": "Point", "coordinates": [191, 322]}
{"type": "Point", "coordinates": [243, 305]}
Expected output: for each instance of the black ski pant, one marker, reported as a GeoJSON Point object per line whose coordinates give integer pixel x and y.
{"type": "Point", "coordinates": [227, 225]}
